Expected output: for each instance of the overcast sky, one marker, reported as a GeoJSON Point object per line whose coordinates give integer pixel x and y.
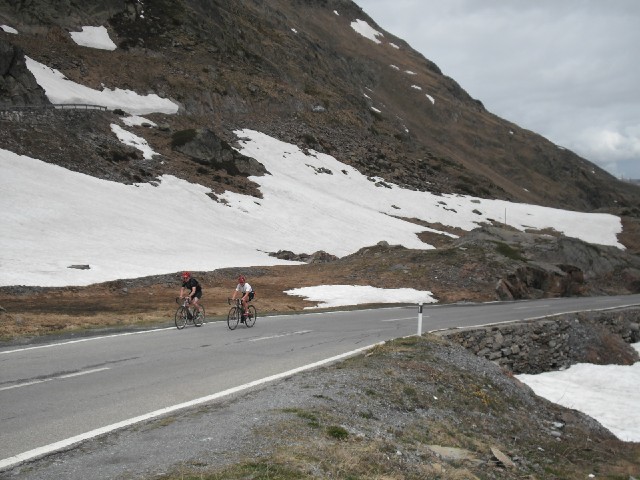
{"type": "Point", "coordinates": [569, 70]}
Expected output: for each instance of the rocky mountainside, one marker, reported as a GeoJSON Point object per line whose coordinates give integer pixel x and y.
{"type": "Point", "coordinates": [296, 70]}
{"type": "Point", "coordinates": [299, 71]}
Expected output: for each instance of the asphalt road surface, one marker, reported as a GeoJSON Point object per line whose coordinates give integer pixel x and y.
{"type": "Point", "coordinates": [55, 395]}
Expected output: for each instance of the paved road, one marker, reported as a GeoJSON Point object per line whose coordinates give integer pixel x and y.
{"type": "Point", "coordinates": [54, 395]}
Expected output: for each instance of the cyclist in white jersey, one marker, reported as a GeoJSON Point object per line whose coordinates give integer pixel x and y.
{"type": "Point", "coordinates": [245, 290]}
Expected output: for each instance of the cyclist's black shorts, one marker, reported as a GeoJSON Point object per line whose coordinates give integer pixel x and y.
{"type": "Point", "coordinates": [198, 294]}
{"type": "Point", "coordinates": [251, 295]}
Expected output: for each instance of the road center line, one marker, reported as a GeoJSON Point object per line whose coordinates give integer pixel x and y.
{"type": "Point", "coordinates": [405, 318]}
{"type": "Point", "coordinates": [301, 332]}
{"type": "Point", "coordinates": [90, 339]}
{"type": "Point", "coordinates": [60, 377]}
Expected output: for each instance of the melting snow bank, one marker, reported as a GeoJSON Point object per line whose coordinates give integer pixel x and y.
{"type": "Point", "coordinates": [53, 218]}
{"type": "Point", "coordinates": [294, 173]}
{"type": "Point", "coordinates": [608, 393]}
{"type": "Point", "coordinates": [59, 89]}
{"type": "Point", "coordinates": [343, 295]}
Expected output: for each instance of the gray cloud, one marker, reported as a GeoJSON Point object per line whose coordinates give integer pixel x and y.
{"type": "Point", "coordinates": [569, 70]}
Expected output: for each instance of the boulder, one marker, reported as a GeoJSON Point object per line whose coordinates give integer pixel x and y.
{"type": "Point", "coordinates": [206, 148]}
{"type": "Point", "coordinates": [18, 86]}
{"type": "Point", "coordinates": [538, 281]}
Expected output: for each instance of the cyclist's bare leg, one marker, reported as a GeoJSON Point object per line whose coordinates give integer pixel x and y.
{"type": "Point", "coordinates": [196, 304]}
{"type": "Point", "coordinates": [245, 299]}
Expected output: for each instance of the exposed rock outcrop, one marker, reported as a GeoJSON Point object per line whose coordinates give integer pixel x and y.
{"type": "Point", "coordinates": [317, 257]}
{"type": "Point", "coordinates": [550, 265]}
{"type": "Point", "coordinates": [531, 281]}
{"type": "Point", "coordinates": [18, 86]}
{"type": "Point", "coordinates": [206, 148]}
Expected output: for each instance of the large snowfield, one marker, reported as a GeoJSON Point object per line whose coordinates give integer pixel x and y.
{"type": "Point", "coordinates": [53, 218]}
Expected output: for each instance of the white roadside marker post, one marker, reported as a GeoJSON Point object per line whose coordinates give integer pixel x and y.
{"type": "Point", "coordinates": [420, 319]}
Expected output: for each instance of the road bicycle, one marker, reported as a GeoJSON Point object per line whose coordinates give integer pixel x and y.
{"type": "Point", "coordinates": [187, 313]}
{"type": "Point", "coordinates": [236, 314]}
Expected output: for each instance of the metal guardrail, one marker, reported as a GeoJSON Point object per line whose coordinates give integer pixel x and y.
{"type": "Point", "coordinates": [53, 106]}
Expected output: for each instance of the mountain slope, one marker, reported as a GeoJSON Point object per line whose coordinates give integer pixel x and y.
{"type": "Point", "coordinates": [316, 75]}
{"type": "Point", "coordinates": [301, 72]}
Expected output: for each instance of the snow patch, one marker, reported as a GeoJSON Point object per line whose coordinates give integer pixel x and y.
{"type": "Point", "coordinates": [93, 37]}
{"type": "Point", "coordinates": [364, 29]}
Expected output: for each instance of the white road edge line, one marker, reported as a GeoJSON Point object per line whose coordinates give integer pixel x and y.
{"type": "Point", "coordinates": [540, 317]}
{"type": "Point", "coordinates": [68, 375]}
{"type": "Point", "coordinates": [47, 449]}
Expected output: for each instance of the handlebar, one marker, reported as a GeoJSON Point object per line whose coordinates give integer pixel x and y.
{"type": "Point", "coordinates": [237, 301]}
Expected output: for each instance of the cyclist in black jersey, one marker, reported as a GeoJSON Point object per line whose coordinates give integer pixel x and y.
{"type": "Point", "coordinates": [191, 288]}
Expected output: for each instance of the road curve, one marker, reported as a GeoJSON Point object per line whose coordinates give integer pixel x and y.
{"type": "Point", "coordinates": [57, 394]}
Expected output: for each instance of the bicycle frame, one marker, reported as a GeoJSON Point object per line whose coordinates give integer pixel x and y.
{"type": "Point", "coordinates": [237, 302]}
{"type": "Point", "coordinates": [188, 305]}
{"type": "Point", "coordinates": [188, 313]}
{"type": "Point", "coordinates": [236, 314]}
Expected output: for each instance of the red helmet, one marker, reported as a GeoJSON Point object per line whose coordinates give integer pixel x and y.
{"type": "Point", "coordinates": [186, 275]}
{"type": "Point", "coordinates": [241, 279]}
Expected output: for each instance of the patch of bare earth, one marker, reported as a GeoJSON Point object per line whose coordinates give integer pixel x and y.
{"type": "Point", "coordinates": [630, 235]}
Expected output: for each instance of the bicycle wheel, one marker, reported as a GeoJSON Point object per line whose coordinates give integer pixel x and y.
{"type": "Point", "coordinates": [198, 320]}
{"type": "Point", "coordinates": [181, 317]}
{"type": "Point", "coordinates": [250, 321]}
{"type": "Point", "coordinates": [233, 318]}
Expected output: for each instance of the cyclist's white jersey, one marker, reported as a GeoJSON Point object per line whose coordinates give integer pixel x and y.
{"type": "Point", "coordinates": [244, 288]}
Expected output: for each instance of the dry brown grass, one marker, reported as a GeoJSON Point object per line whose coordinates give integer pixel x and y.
{"type": "Point", "coordinates": [73, 310]}
{"type": "Point", "coordinates": [630, 236]}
